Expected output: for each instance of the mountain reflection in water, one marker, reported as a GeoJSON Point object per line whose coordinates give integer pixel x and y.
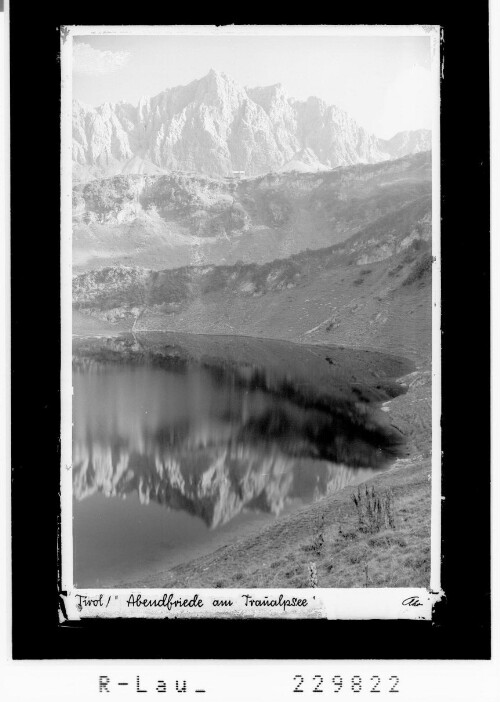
{"type": "Point", "coordinates": [211, 442]}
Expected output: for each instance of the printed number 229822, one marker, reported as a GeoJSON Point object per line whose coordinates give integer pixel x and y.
{"type": "Point", "coordinates": [356, 683]}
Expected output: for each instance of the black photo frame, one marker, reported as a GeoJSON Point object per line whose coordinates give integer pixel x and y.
{"type": "Point", "coordinates": [460, 628]}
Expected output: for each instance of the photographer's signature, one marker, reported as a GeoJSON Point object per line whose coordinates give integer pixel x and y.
{"type": "Point", "coordinates": [412, 602]}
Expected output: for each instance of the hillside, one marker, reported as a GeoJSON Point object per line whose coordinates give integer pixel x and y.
{"type": "Point", "coordinates": [358, 292]}
{"type": "Point", "coordinates": [176, 220]}
{"type": "Point", "coordinates": [215, 126]}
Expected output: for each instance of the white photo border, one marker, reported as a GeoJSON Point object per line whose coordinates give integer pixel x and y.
{"type": "Point", "coordinates": [330, 603]}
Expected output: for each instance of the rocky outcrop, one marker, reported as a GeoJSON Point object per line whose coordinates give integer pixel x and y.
{"type": "Point", "coordinates": [125, 291]}
{"type": "Point", "coordinates": [179, 219]}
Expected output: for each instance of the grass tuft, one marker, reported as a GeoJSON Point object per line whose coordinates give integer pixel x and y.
{"type": "Point", "coordinates": [313, 575]}
{"type": "Point", "coordinates": [375, 511]}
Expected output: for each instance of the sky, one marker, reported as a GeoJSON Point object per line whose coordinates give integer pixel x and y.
{"type": "Point", "coordinates": [384, 83]}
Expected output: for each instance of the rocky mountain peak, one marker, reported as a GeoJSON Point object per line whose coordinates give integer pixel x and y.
{"type": "Point", "coordinates": [215, 126]}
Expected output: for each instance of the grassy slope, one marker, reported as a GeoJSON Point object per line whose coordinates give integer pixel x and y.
{"type": "Point", "coordinates": [85, 325]}
{"type": "Point", "coordinates": [360, 306]}
{"type": "Point", "coordinates": [280, 555]}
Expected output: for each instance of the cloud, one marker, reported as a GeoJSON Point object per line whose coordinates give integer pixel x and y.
{"type": "Point", "coordinates": [92, 62]}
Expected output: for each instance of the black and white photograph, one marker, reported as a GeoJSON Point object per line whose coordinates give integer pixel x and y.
{"type": "Point", "coordinates": [247, 347]}
{"type": "Point", "coordinates": [253, 258]}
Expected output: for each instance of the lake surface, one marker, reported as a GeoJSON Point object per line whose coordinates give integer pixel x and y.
{"type": "Point", "coordinates": [177, 451]}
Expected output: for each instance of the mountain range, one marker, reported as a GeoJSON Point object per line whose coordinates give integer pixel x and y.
{"type": "Point", "coordinates": [230, 480]}
{"type": "Point", "coordinates": [215, 126]}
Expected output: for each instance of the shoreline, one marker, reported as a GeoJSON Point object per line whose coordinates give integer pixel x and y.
{"type": "Point", "coordinates": [326, 532]}
{"type": "Point", "coordinates": [279, 554]}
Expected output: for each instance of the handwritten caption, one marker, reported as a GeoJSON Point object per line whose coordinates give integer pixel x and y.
{"type": "Point", "coordinates": [171, 603]}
